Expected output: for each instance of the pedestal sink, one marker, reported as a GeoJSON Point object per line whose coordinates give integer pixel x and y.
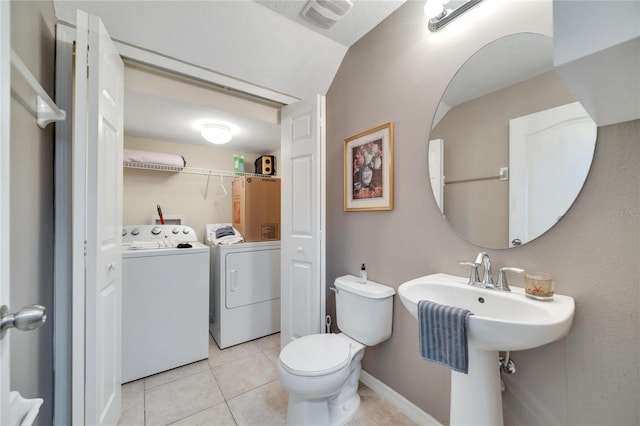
{"type": "Point", "coordinates": [501, 321]}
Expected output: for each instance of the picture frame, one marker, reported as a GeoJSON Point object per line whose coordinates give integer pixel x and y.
{"type": "Point", "coordinates": [368, 170]}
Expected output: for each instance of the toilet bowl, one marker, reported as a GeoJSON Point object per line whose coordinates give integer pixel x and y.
{"type": "Point", "coordinates": [321, 371]}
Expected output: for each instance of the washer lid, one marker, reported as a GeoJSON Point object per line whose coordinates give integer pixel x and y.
{"type": "Point", "coordinates": [315, 355]}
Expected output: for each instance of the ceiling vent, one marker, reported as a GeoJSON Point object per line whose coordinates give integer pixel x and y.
{"type": "Point", "coordinates": [325, 13]}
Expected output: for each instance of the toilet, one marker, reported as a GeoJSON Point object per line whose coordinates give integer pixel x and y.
{"type": "Point", "coordinates": [321, 371]}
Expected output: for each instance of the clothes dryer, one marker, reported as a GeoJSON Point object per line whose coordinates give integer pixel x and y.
{"type": "Point", "coordinates": [245, 292]}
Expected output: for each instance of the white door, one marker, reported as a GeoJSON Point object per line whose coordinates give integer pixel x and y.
{"type": "Point", "coordinates": [5, 120]}
{"type": "Point", "coordinates": [550, 154]}
{"type": "Point", "coordinates": [303, 220]}
{"type": "Point", "coordinates": [98, 132]}
{"type": "Point", "coordinates": [436, 171]}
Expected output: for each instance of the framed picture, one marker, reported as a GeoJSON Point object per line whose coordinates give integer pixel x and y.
{"type": "Point", "coordinates": [368, 170]}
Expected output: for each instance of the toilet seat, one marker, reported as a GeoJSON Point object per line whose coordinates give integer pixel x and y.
{"type": "Point", "coordinates": [315, 355]}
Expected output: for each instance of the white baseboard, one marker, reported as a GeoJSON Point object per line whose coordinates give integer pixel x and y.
{"type": "Point", "coordinates": [407, 407]}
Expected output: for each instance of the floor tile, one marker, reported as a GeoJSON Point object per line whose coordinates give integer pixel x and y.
{"type": "Point", "coordinates": [132, 387]}
{"type": "Point", "coordinates": [265, 405]}
{"type": "Point", "coordinates": [219, 356]}
{"type": "Point", "coordinates": [247, 373]}
{"type": "Point", "coordinates": [268, 342]}
{"type": "Point", "coordinates": [235, 386]}
{"type": "Point", "coordinates": [376, 411]}
{"type": "Point", "coordinates": [132, 409]}
{"type": "Point", "coordinates": [176, 373]}
{"type": "Point", "coordinates": [273, 355]}
{"type": "Point", "coordinates": [218, 415]}
{"type": "Point", "coordinates": [181, 398]}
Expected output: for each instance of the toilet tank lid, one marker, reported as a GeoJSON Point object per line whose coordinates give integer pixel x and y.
{"type": "Point", "coordinates": [371, 289]}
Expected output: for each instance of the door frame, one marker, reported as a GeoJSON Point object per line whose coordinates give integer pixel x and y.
{"type": "Point", "coordinates": [65, 382]}
{"type": "Point", "coordinates": [5, 164]}
{"type": "Point", "coordinates": [69, 386]}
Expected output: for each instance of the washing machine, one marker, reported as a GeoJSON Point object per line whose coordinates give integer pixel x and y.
{"type": "Point", "coordinates": [165, 299]}
{"type": "Point", "coordinates": [245, 292]}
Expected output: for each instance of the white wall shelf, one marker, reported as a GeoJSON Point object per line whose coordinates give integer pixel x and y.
{"type": "Point", "coordinates": [188, 170]}
{"type": "Point", "coordinates": [192, 171]}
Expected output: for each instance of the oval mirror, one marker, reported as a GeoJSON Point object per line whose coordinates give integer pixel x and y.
{"type": "Point", "coordinates": [510, 148]}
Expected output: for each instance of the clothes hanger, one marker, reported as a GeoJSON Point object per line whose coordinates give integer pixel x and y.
{"type": "Point", "coordinates": [221, 192]}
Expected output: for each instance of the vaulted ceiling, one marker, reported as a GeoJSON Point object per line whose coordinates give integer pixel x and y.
{"type": "Point", "coordinates": [266, 43]}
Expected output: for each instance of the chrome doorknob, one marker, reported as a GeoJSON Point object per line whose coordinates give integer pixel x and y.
{"type": "Point", "coordinates": [26, 319]}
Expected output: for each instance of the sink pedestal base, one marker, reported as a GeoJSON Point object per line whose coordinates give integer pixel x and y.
{"type": "Point", "coordinates": [476, 398]}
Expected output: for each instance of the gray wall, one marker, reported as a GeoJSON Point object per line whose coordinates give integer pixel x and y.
{"type": "Point", "coordinates": [33, 39]}
{"type": "Point", "coordinates": [398, 73]}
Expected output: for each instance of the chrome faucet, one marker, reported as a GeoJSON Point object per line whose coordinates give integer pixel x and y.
{"type": "Point", "coordinates": [482, 259]}
{"type": "Point", "coordinates": [487, 278]}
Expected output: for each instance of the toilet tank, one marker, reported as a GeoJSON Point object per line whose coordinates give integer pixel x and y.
{"type": "Point", "coordinates": [364, 312]}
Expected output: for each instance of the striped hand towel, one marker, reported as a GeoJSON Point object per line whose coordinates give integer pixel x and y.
{"type": "Point", "coordinates": [443, 335]}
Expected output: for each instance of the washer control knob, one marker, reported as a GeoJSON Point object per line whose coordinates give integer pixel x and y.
{"type": "Point", "coordinates": [175, 230]}
{"type": "Point", "coordinates": [156, 230]}
{"type": "Point", "coordinates": [135, 231]}
{"type": "Point", "coordinates": [185, 231]}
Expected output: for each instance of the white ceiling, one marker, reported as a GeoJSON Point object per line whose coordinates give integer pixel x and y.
{"type": "Point", "coordinates": [265, 43]}
{"type": "Point", "coordinates": [502, 63]}
{"type": "Point", "coordinates": [362, 18]}
{"type": "Point", "coordinates": [166, 107]}
{"type": "Point", "coordinates": [268, 44]}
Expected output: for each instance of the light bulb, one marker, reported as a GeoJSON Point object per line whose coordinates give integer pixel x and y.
{"type": "Point", "coordinates": [216, 133]}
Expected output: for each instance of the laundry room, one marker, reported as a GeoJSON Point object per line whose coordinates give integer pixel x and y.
{"type": "Point", "coordinates": [198, 259]}
{"type": "Point", "coordinates": [165, 113]}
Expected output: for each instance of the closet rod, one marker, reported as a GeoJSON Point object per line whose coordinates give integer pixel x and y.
{"type": "Point", "coordinates": [188, 170]}
{"type": "Point", "coordinates": [46, 110]}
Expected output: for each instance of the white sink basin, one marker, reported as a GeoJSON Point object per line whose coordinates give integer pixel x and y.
{"type": "Point", "coordinates": [501, 321]}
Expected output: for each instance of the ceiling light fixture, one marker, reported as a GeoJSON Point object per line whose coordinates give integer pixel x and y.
{"type": "Point", "coordinates": [439, 16]}
{"type": "Point", "coordinates": [216, 133]}
{"type": "Point", "coordinates": [325, 13]}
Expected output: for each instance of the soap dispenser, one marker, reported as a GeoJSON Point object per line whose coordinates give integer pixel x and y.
{"type": "Point", "coordinates": [363, 274]}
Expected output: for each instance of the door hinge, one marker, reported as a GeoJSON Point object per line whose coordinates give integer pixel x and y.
{"type": "Point", "coordinates": [85, 247]}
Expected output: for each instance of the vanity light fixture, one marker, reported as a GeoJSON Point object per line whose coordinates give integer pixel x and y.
{"type": "Point", "coordinates": [439, 16]}
{"type": "Point", "coordinates": [216, 133]}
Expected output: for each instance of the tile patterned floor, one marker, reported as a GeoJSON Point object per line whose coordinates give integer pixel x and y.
{"type": "Point", "coordinates": [235, 386]}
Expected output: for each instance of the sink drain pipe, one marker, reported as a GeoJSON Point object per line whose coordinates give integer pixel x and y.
{"type": "Point", "coordinates": [507, 366]}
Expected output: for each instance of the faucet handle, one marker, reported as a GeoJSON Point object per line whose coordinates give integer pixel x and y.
{"type": "Point", "coordinates": [502, 283]}
{"type": "Point", "coordinates": [473, 277]}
